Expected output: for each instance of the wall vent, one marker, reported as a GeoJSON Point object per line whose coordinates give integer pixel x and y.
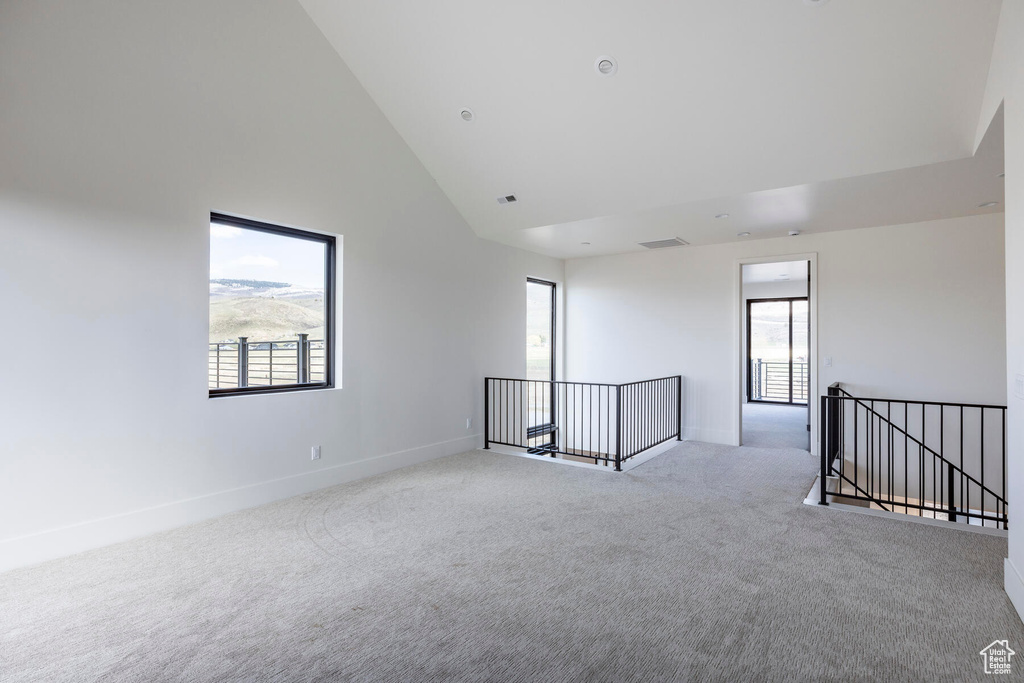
{"type": "Point", "coordinates": [507, 199]}
{"type": "Point", "coordinates": [662, 244]}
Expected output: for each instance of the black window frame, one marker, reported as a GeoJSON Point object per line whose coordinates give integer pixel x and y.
{"type": "Point", "coordinates": [330, 278]}
{"type": "Point", "coordinates": [750, 361]}
{"type": "Point", "coordinates": [554, 320]}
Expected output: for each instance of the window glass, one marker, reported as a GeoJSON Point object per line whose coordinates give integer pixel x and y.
{"type": "Point", "coordinates": [269, 307]}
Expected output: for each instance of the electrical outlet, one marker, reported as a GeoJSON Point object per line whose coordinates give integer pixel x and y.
{"type": "Point", "coordinates": [1018, 386]}
{"type": "Point", "coordinates": [469, 423]}
{"type": "Point", "coordinates": [828, 361]}
{"type": "Point", "coordinates": [316, 453]}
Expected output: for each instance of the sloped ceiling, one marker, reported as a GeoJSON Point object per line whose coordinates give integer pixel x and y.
{"type": "Point", "coordinates": [713, 101]}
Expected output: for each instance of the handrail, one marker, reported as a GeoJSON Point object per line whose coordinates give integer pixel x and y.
{"type": "Point", "coordinates": [914, 439]}
{"type": "Point", "coordinates": [839, 386]}
{"type": "Point", "coordinates": [271, 341]}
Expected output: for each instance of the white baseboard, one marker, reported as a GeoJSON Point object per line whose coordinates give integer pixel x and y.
{"type": "Point", "coordinates": [724, 437]}
{"type": "Point", "coordinates": [1013, 584]}
{"type": "Point", "coordinates": [34, 548]}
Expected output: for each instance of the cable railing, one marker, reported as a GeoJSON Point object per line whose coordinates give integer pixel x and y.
{"type": "Point", "coordinates": [778, 381]}
{"type": "Point", "coordinates": [604, 423]}
{"type": "Point", "coordinates": [944, 461]}
{"type": "Point", "coordinates": [246, 363]}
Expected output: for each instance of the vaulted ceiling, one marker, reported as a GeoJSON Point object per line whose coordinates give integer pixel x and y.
{"type": "Point", "coordinates": [784, 114]}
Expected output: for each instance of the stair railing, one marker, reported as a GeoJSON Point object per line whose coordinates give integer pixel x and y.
{"type": "Point", "coordinates": [885, 452]}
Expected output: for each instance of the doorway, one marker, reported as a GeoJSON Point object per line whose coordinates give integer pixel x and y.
{"type": "Point", "coordinates": [776, 394]}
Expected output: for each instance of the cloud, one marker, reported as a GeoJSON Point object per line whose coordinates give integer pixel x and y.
{"type": "Point", "coordinates": [256, 260]}
{"type": "Point", "coordinates": [224, 231]}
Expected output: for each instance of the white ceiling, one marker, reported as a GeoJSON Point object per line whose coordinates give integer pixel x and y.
{"type": "Point", "coordinates": [717, 104]}
{"type": "Point", "coordinates": [785, 271]}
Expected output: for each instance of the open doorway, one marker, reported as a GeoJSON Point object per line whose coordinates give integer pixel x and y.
{"type": "Point", "coordinates": [777, 354]}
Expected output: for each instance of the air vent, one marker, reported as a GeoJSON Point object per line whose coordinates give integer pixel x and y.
{"type": "Point", "coordinates": [664, 244]}
{"type": "Point", "coordinates": [507, 199]}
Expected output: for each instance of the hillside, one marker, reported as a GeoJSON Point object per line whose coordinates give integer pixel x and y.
{"type": "Point", "coordinates": [264, 311]}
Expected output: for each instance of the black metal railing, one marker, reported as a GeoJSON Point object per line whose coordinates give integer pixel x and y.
{"type": "Point", "coordinates": [267, 363]}
{"type": "Point", "coordinates": [940, 460]}
{"type": "Point", "coordinates": [778, 381]}
{"type": "Point", "coordinates": [606, 423]}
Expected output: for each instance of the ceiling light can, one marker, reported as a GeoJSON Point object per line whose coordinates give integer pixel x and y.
{"type": "Point", "coordinates": [606, 66]}
{"type": "Point", "coordinates": [743, 234]}
{"type": "Point", "coordinates": [466, 114]}
{"type": "Point", "coordinates": [721, 215]}
{"type": "Point", "coordinates": [987, 205]}
{"type": "Point", "coordinates": [794, 233]}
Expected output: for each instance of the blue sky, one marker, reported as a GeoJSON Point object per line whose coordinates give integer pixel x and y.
{"type": "Point", "coordinates": [236, 253]}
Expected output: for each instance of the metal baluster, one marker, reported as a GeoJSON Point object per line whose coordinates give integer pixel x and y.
{"type": "Point", "coordinates": [1005, 515]}
{"type": "Point", "coordinates": [618, 428]}
{"type": "Point", "coordinates": [243, 362]}
{"type": "Point", "coordinates": [487, 414]}
{"type": "Point", "coordinates": [981, 465]}
{"type": "Point", "coordinates": [824, 426]}
{"type": "Point", "coordinates": [965, 502]}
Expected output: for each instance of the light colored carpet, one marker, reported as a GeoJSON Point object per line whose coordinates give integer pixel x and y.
{"type": "Point", "coordinates": [775, 426]}
{"type": "Point", "coordinates": [699, 565]}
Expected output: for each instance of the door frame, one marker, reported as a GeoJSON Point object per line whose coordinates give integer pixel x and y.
{"type": "Point", "coordinates": [739, 342]}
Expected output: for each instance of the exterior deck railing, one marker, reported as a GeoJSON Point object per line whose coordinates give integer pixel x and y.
{"type": "Point", "coordinates": [246, 363]}
{"type": "Point", "coordinates": [606, 423]}
{"type": "Point", "coordinates": [778, 381]}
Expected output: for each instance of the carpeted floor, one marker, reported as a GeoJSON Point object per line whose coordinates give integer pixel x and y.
{"type": "Point", "coordinates": [702, 564]}
{"type": "Point", "coordinates": [775, 426]}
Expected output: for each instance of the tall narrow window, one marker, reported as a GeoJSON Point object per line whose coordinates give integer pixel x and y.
{"type": "Point", "coordinates": [540, 329]}
{"type": "Point", "coordinates": [271, 308]}
{"type": "Point", "coordinates": [541, 395]}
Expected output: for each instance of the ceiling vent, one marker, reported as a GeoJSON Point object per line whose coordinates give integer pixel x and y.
{"type": "Point", "coordinates": [663, 244]}
{"type": "Point", "coordinates": [507, 199]}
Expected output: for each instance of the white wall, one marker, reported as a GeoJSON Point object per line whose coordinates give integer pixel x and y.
{"type": "Point", "coordinates": [1006, 87]}
{"type": "Point", "coordinates": [124, 124]}
{"type": "Point", "coordinates": [911, 311]}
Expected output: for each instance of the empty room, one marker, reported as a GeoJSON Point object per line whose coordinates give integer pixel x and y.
{"type": "Point", "coordinates": [412, 341]}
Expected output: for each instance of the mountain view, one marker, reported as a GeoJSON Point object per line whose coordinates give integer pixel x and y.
{"type": "Point", "coordinates": [263, 310]}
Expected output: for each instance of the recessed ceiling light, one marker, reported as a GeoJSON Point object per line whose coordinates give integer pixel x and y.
{"type": "Point", "coordinates": [467, 114]}
{"type": "Point", "coordinates": [722, 215]}
{"type": "Point", "coordinates": [743, 234]}
{"type": "Point", "coordinates": [586, 244]}
{"type": "Point", "coordinates": [815, 3]}
{"type": "Point", "coordinates": [987, 204]}
{"type": "Point", "coordinates": [1001, 175]}
{"type": "Point", "coordinates": [794, 233]}
{"type": "Point", "coordinates": [606, 66]}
